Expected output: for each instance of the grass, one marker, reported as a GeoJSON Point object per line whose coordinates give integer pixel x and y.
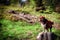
{"type": "Point", "coordinates": [23, 30]}
{"type": "Point", "coordinates": [19, 29]}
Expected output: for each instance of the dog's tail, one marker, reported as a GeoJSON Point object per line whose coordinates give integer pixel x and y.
{"type": "Point", "coordinates": [52, 23]}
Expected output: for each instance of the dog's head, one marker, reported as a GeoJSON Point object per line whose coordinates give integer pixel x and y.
{"type": "Point", "coordinates": [43, 19]}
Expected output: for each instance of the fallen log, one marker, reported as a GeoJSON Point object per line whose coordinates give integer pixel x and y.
{"type": "Point", "coordinates": [23, 16]}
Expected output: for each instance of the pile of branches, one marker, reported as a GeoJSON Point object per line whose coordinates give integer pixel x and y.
{"type": "Point", "coordinates": [26, 16]}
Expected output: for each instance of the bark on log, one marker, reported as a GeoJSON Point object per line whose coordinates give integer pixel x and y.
{"type": "Point", "coordinates": [46, 36]}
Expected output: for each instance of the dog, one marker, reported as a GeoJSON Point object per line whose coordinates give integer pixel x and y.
{"type": "Point", "coordinates": [46, 24]}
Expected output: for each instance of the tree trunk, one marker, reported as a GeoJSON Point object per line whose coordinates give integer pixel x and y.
{"type": "Point", "coordinates": [46, 36]}
{"type": "Point", "coordinates": [38, 3]}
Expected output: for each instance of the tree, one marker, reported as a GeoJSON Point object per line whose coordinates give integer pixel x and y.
{"type": "Point", "coordinates": [5, 2]}
{"type": "Point", "coordinates": [38, 3]}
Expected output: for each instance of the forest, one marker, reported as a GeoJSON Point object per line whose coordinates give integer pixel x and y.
{"type": "Point", "coordinates": [23, 19]}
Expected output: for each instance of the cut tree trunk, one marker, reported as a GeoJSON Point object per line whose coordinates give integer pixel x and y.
{"type": "Point", "coordinates": [46, 36]}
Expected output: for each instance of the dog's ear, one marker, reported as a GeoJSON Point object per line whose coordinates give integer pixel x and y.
{"type": "Point", "coordinates": [42, 17]}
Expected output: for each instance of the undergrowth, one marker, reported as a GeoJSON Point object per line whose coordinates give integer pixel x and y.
{"type": "Point", "coordinates": [22, 30]}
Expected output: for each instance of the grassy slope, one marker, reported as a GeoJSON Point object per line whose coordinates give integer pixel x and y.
{"type": "Point", "coordinates": [22, 30]}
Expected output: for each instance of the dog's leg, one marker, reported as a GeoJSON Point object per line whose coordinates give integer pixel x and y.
{"type": "Point", "coordinates": [47, 30]}
{"type": "Point", "coordinates": [51, 29]}
{"type": "Point", "coordinates": [44, 30]}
